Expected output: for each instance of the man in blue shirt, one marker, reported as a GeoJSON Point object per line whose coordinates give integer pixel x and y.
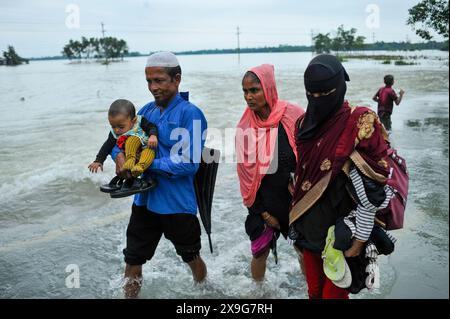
{"type": "Point", "coordinates": [171, 207]}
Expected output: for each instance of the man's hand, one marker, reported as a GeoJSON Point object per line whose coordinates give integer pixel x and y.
{"type": "Point", "coordinates": [355, 250]}
{"type": "Point", "coordinates": [401, 92]}
{"type": "Point", "coordinates": [270, 220]}
{"type": "Point", "coordinates": [120, 160]}
{"type": "Point", "coordinates": [152, 142]}
{"type": "Point", "coordinates": [95, 166]}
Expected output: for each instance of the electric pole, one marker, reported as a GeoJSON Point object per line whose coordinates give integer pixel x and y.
{"type": "Point", "coordinates": [238, 43]}
{"type": "Point", "coordinates": [103, 31]}
{"type": "Point", "coordinates": [103, 37]}
{"type": "Point", "coordinates": [373, 42]}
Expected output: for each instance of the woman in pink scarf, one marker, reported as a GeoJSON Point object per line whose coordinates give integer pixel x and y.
{"type": "Point", "coordinates": [266, 155]}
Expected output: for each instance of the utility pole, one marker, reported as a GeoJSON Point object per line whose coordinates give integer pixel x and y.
{"type": "Point", "coordinates": [373, 42]}
{"type": "Point", "coordinates": [103, 31]}
{"type": "Point", "coordinates": [103, 37]}
{"type": "Point", "coordinates": [312, 42]}
{"type": "Point", "coordinates": [238, 44]}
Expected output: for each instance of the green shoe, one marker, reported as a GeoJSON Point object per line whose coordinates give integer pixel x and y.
{"type": "Point", "coordinates": [333, 259]}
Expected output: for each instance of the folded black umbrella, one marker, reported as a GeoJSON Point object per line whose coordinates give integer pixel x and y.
{"type": "Point", "coordinates": [204, 182]}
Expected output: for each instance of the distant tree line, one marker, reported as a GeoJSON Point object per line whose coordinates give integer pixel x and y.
{"type": "Point", "coordinates": [345, 40]}
{"type": "Point", "coordinates": [407, 46]}
{"type": "Point", "coordinates": [385, 46]}
{"type": "Point", "coordinates": [107, 48]}
{"type": "Point", "coordinates": [10, 57]}
{"type": "Point", "coordinates": [280, 48]}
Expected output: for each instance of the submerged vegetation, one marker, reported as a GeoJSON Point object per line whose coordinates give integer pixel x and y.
{"type": "Point", "coordinates": [104, 49]}
{"type": "Point", "coordinates": [11, 58]}
{"type": "Point", "coordinates": [383, 58]}
{"type": "Point", "coordinates": [403, 62]}
{"type": "Point", "coordinates": [345, 40]}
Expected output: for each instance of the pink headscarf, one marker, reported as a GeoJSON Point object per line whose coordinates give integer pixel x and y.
{"type": "Point", "coordinates": [251, 173]}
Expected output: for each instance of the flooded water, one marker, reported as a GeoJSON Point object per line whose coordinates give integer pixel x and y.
{"type": "Point", "coordinates": [53, 217]}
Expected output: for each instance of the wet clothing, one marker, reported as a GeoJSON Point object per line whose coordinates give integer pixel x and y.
{"type": "Point", "coordinates": [330, 138]}
{"type": "Point", "coordinates": [264, 181]}
{"type": "Point", "coordinates": [319, 286]}
{"type": "Point", "coordinates": [335, 203]}
{"type": "Point", "coordinates": [171, 207]}
{"type": "Point", "coordinates": [143, 129]}
{"type": "Point", "coordinates": [273, 195]}
{"type": "Point", "coordinates": [145, 229]}
{"type": "Point", "coordinates": [175, 192]}
{"type": "Point", "coordinates": [386, 97]}
{"type": "Point", "coordinates": [350, 132]}
{"type": "Point", "coordinates": [385, 119]}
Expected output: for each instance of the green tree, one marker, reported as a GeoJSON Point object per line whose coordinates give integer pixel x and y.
{"type": "Point", "coordinates": [348, 37]}
{"type": "Point", "coordinates": [87, 47]}
{"type": "Point", "coordinates": [95, 45]}
{"type": "Point", "coordinates": [107, 48]}
{"type": "Point", "coordinates": [77, 48]}
{"type": "Point", "coordinates": [12, 58]}
{"type": "Point", "coordinates": [322, 43]}
{"type": "Point", "coordinates": [359, 43]}
{"type": "Point", "coordinates": [346, 40]}
{"type": "Point", "coordinates": [429, 14]}
{"type": "Point", "coordinates": [113, 48]}
{"type": "Point", "coordinates": [67, 52]}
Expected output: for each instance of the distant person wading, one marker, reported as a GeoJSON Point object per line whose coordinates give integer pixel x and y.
{"type": "Point", "coordinates": [385, 97]}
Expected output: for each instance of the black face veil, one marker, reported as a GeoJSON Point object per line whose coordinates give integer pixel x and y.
{"type": "Point", "coordinates": [323, 74]}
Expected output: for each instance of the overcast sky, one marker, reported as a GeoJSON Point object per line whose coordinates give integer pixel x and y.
{"type": "Point", "coordinates": [42, 27]}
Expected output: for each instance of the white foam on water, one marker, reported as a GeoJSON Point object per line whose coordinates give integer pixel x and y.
{"type": "Point", "coordinates": [38, 250]}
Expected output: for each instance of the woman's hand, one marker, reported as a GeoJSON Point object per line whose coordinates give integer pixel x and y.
{"type": "Point", "coordinates": [291, 188]}
{"type": "Point", "coordinates": [270, 220]}
{"type": "Point", "coordinates": [355, 250]}
{"type": "Point", "coordinates": [95, 166]}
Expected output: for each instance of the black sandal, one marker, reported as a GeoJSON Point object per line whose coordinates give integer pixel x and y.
{"type": "Point", "coordinates": [133, 186]}
{"type": "Point", "coordinates": [114, 185]}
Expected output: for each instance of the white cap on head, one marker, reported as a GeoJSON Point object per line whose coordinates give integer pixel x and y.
{"type": "Point", "coordinates": [163, 59]}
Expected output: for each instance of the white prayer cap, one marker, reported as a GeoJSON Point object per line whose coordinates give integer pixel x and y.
{"type": "Point", "coordinates": [163, 59]}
